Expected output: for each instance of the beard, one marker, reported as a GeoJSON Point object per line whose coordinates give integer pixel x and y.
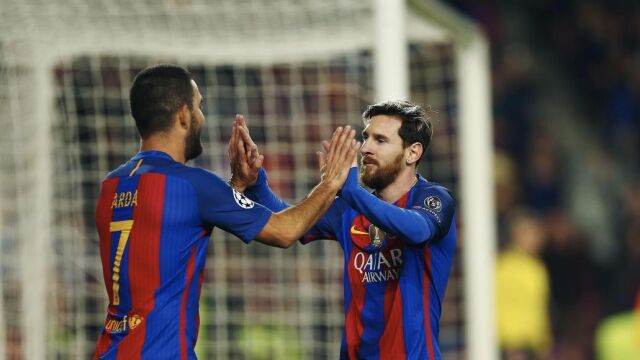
{"type": "Point", "coordinates": [383, 176]}
{"type": "Point", "coordinates": [193, 146]}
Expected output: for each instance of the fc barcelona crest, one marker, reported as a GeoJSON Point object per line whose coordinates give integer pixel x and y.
{"type": "Point", "coordinates": [376, 236]}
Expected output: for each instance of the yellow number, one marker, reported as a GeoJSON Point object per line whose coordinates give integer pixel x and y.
{"type": "Point", "coordinates": [124, 227]}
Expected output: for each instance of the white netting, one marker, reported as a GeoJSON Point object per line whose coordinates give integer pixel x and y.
{"type": "Point", "coordinates": [295, 69]}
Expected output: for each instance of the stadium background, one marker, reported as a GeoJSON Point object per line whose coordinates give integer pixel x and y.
{"type": "Point", "coordinates": [566, 134]}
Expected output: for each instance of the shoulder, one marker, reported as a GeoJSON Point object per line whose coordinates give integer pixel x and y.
{"type": "Point", "coordinates": [123, 170]}
{"type": "Point", "coordinates": [201, 179]}
{"type": "Point", "coordinates": [434, 196]}
{"type": "Point", "coordinates": [200, 173]}
{"type": "Point", "coordinates": [435, 201]}
{"type": "Point", "coordinates": [339, 205]}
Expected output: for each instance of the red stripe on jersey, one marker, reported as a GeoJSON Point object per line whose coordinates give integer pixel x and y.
{"type": "Point", "coordinates": [200, 281]}
{"type": "Point", "coordinates": [392, 340]}
{"type": "Point", "coordinates": [103, 218]}
{"type": "Point", "coordinates": [205, 234]}
{"type": "Point", "coordinates": [353, 321]}
{"type": "Point", "coordinates": [183, 307]}
{"type": "Point", "coordinates": [425, 298]}
{"type": "Point", "coordinates": [402, 202]}
{"type": "Point", "coordinates": [144, 261]}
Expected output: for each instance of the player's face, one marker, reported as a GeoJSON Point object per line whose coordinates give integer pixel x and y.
{"type": "Point", "coordinates": [193, 146]}
{"type": "Point", "coordinates": [382, 152]}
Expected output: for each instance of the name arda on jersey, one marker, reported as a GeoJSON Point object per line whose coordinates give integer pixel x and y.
{"type": "Point", "coordinates": [379, 266]}
{"type": "Point", "coordinates": [124, 199]}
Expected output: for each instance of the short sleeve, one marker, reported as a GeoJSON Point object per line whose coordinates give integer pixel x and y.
{"type": "Point", "coordinates": [223, 207]}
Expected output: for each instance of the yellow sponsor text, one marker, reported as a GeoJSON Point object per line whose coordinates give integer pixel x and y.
{"type": "Point", "coordinates": [124, 199]}
{"type": "Point", "coordinates": [122, 325]}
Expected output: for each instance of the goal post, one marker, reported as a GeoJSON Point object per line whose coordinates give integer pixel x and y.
{"type": "Point", "coordinates": [391, 51]}
{"type": "Point", "coordinates": [296, 69]}
{"type": "Point", "coordinates": [478, 212]}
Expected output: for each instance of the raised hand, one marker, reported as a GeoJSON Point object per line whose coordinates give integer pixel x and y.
{"type": "Point", "coordinates": [339, 157]}
{"type": "Point", "coordinates": [244, 157]}
{"type": "Point", "coordinates": [326, 145]}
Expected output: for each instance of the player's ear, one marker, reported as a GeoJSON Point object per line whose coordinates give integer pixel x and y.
{"type": "Point", "coordinates": [413, 153]}
{"type": "Point", "coordinates": [183, 117]}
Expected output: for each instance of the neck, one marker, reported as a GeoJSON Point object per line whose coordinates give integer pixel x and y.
{"type": "Point", "coordinates": [400, 186]}
{"type": "Point", "coordinates": [166, 144]}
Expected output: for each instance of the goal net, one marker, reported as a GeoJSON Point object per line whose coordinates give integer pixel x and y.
{"type": "Point", "coordinates": [295, 69]}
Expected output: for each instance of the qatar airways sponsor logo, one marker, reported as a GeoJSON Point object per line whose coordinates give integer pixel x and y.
{"type": "Point", "coordinates": [379, 266]}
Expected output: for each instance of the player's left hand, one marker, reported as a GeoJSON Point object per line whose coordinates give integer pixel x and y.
{"type": "Point", "coordinates": [244, 157]}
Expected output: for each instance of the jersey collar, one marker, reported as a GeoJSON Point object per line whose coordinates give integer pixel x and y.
{"type": "Point", "coordinates": [419, 178]}
{"type": "Point", "coordinates": [153, 154]}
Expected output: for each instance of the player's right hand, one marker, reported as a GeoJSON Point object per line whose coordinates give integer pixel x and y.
{"type": "Point", "coordinates": [340, 154]}
{"type": "Point", "coordinates": [244, 157]}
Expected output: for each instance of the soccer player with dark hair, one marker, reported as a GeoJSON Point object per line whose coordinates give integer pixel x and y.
{"type": "Point", "coordinates": [398, 241]}
{"type": "Point", "coordinates": [155, 214]}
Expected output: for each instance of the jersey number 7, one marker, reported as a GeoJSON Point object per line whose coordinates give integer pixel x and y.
{"type": "Point", "coordinates": [124, 227]}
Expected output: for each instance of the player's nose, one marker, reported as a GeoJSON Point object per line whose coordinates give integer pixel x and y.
{"type": "Point", "coordinates": [365, 148]}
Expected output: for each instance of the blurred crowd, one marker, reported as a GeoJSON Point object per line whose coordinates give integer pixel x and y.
{"type": "Point", "coordinates": [568, 210]}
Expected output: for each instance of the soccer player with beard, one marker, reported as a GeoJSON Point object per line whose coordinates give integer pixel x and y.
{"type": "Point", "coordinates": [398, 241]}
{"type": "Point", "coordinates": [155, 214]}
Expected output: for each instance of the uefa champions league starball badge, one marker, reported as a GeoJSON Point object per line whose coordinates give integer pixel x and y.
{"type": "Point", "coordinates": [376, 236]}
{"type": "Point", "coordinates": [242, 201]}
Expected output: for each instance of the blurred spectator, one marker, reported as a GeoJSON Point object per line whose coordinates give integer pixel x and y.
{"type": "Point", "coordinates": [513, 92]}
{"type": "Point", "coordinates": [618, 336]}
{"type": "Point", "coordinates": [522, 291]}
{"type": "Point", "coordinates": [631, 202]}
{"type": "Point", "coordinates": [627, 274]}
{"type": "Point", "coordinates": [593, 203]}
{"type": "Point", "coordinates": [507, 191]}
{"type": "Point", "coordinates": [542, 187]}
{"type": "Point", "coordinates": [575, 300]}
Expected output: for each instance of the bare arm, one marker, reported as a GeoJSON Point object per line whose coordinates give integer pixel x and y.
{"type": "Point", "coordinates": [285, 227]}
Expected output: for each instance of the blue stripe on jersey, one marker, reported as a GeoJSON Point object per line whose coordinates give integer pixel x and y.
{"type": "Point", "coordinates": [413, 328]}
{"type": "Point", "coordinates": [120, 213]}
{"type": "Point", "coordinates": [413, 304]}
{"type": "Point", "coordinates": [191, 326]}
{"type": "Point", "coordinates": [179, 207]}
{"type": "Point", "coordinates": [372, 313]}
{"type": "Point", "coordinates": [345, 241]}
{"type": "Point", "coordinates": [113, 351]}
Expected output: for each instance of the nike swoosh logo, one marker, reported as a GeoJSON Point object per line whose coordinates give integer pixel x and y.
{"type": "Point", "coordinates": [357, 232]}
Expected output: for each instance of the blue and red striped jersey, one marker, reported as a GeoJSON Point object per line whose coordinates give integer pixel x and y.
{"type": "Point", "coordinates": [154, 218]}
{"type": "Point", "coordinates": [397, 261]}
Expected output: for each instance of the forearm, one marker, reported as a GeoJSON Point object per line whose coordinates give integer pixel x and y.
{"type": "Point", "coordinates": [287, 226]}
{"type": "Point", "coordinates": [408, 224]}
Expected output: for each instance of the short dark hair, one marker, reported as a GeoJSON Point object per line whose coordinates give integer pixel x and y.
{"type": "Point", "coordinates": [156, 94]}
{"type": "Point", "coordinates": [416, 125]}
